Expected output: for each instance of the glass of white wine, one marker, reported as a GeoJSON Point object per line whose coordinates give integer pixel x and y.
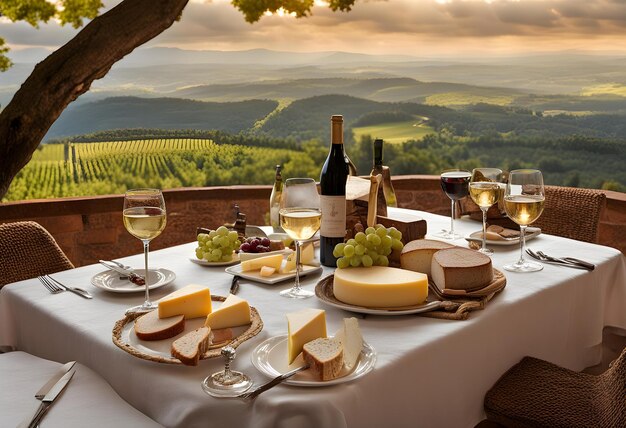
{"type": "Point", "coordinates": [145, 219]}
{"type": "Point", "coordinates": [300, 217]}
{"type": "Point", "coordinates": [523, 202]}
{"type": "Point", "coordinates": [484, 189]}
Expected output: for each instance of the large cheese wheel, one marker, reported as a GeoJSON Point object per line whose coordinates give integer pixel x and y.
{"type": "Point", "coordinates": [461, 269]}
{"type": "Point", "coordinates": [380, 287]}
{"type": "Point", "coordinates": [417, 255]}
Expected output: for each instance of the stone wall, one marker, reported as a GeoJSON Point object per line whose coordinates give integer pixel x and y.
{"type": "Point", "coordinates": [91, 228]}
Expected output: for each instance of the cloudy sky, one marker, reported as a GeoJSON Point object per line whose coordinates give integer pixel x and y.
{"type": "Point", "coordinates": [413, 27]}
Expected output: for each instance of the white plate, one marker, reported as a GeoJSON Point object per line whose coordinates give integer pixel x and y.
{"type": "Point", "coordinates": [270, 357]}
{"type": "Point", "coordinates": [110, 281]}
{"type": "Point", "coordinates": [275, 278]}
{"type": "Point", "coordinates": [531, 232]}
{"type": "Point", "coordinates": [203, 262]}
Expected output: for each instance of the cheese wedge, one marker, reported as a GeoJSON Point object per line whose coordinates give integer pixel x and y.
{"type": "Point", "coordinates": [380, 287]}
{"type": "Point", "coordinates": [275, 260]}
{"type": "Point", "coordinates": [304, 326]}
{"type": "Point", "coordinates": [350, 338]}
{"type": "Point", "coordinates": [234, 312]}
{"type": "Point", "coordinates": [307, 256]}
{"type": "Point", "coordinates": [192, 301]}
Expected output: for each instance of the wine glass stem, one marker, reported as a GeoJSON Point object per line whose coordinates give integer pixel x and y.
{"type": "Point", "coordinates": [146, 246]}
{"type": "Point", "coordinates": [452, 214]}
{"type": "Point", "coordinates": [296, 285]}
{"type": "Point", "coordinates": [484, 210]}
{"type": "Point", "coordinates": [522, 240]}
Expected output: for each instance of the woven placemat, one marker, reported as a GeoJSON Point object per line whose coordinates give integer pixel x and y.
{"type": "Point", "coordinates": [213, 351]}
{"type": "Point", "coordinates": [456, 307]}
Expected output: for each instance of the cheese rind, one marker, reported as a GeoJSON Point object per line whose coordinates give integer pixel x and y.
{"type": "Point", "coordinates": [380, 287]}
{"type": "Point", "coordinates": [417, 255]}
{"type": "Point", "coordinates": [304, 326]}
{"type": "Point", "coordinates": [275, 260]}
{"type": "Point", "coordinates": [234, 312]}
{"type": "Point", "coordinates": [192, 301]}
{"type": "Point", "coordinates": [350, 337]}
{"type": "Point", "coordinates": [461, 269]}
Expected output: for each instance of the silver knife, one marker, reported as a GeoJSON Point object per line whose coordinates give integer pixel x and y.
{"type": "Point", "coordinates": [132, 276]}
{"type": "Point", "coordinates": [54, 379]}
{"type": "Point", "coordinates": [50, 397]}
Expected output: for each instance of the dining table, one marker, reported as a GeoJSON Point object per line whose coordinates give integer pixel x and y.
{"type": "Point", "coordinates": [428, 372]}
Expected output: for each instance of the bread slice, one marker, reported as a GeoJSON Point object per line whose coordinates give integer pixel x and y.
{"type": "Point", "coordinates": [151, 327]}
{"type": "Point", "coordinates": [325, 356]}
{"type": "Point", "coordinates": [461, 269]}
{"type": "Point", "coordinates": [417, 255]}
{"type": "Point", "coordinates": [191, 346]}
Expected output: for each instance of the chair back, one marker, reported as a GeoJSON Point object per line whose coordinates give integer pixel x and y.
{"type": "Point", "coordinates": [27, 250]}
{"type": "Point", "coordinates": [572, 213]}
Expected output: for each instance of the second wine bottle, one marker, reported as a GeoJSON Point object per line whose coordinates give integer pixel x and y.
{"type": "Point", "coordinates": [333, 179]}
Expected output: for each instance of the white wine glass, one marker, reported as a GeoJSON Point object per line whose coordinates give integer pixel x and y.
{"type": "Point", "coordinates": [300, 217]}
{"type": "Point", "coordinates": [144, 218]}
{"type": "Point", "coordinates": [523, 202]}
{"type": "Point", "coordinates": [455, 184]}
{"type": "Point", "coordinates": [484, 189]}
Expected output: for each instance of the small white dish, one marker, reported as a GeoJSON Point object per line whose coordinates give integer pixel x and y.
{"type": "Point", "coordinates": [255, 275]}
{"type": "Point", "coordinates": [110, 281]}
{"type": "Point", "coordinates": [270, 358]}
{"type": "Point", "coordinates": [531, 233]}
{"type": "Point", "coordinates": [203, 262]}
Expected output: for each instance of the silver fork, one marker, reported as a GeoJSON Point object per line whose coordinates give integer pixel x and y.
{"type": "Point", "coordinates": [52, 284]}
{"type": "Point", "coordinates": [546, 259]}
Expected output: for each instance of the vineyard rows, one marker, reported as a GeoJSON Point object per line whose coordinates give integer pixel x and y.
{"type": "Point", "coordinates": [81, 169]}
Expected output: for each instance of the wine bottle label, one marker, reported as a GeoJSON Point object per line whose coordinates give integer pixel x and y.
{"type": "Point", "coordinates": [333, 216]}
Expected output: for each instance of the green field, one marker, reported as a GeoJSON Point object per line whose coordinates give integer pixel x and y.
{"type": "Point", "coordinates": [397, 132]}
{"type": "Point", "coordinates": [78, 169]}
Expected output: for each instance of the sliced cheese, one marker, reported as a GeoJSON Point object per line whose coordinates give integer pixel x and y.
{"type": "Point", "coordinates": [267, 271]}
{"type": "Point", "coordinates": [461, 269]}
{"type": "Point", "coordinates": [417, 255]}
{"type": "Point", "coordinates": [350, 338]}
{"type": "Point", "coordinates": [191, 301]}
{"type": "Point", "coordinates": [234, 312]}
{"type": "Point", "coordinates": [304, 326]}
{"type": "Point", "coordinates": [307, 256]}
{"type": "Point", "coordinates": [275, 260]}
{"type": "Point", "coordinates": [380, 287]}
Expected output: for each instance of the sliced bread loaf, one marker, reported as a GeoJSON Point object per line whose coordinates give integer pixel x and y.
{"type": "Point", "coordinates": [325, 356]}
{"type": "Point", "coordinates": [461, 269]}
{"type": "Point", "coordinates": [189, 347]}
{"type": "Point", "coordinates": [151, 327]}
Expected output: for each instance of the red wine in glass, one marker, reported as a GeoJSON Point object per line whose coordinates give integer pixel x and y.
{"type": "Point", "coordinates": [455, 184]}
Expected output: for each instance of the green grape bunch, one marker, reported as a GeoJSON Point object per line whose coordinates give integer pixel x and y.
{"type": "Point", "coordinates": [369, 248]}
{"type": "Point", "coordinates": [217, 245]}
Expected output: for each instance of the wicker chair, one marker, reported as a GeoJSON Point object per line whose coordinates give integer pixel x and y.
{"type": "Point", "coordinates": [28, 250]}
{"type": "Point", "coordinates": [569, 212]}
{"type": "Point", "coordinates": [535, 393]}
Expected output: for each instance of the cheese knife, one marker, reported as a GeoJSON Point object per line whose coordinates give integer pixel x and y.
{"type": "Point", "coordinates": [49, 398]}
{"type": "Point", "coordinates": [234, 285]}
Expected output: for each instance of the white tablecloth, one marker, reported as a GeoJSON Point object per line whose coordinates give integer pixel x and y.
{"type": "Point", "coordinates": [430, 372]}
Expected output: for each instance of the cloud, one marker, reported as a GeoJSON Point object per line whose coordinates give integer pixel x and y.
{"type": "Point", "coordinates": [391, 26]}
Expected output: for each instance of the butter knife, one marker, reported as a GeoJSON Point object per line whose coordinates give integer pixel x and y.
{"type": "Point", "coordinates": [54, 379]}
{"type": "Point", "coordinates": [132, 276]}
{"type": "Point", "coordinates": [49, 398]}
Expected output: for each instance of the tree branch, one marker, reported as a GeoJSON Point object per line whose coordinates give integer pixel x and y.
{"type": "Point", "coordinates": [68, 72]}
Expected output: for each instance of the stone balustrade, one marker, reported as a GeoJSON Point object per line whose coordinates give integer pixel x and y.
{"type": "Point", "coordinates": [91, 228]}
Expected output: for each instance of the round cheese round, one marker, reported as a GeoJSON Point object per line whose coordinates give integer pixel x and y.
{"type": "Point", "coordinates": [461, 269]}
{"type": "Point", "coordinates": [417, 255]}
{"type": "Point", "coordinates": [380, 287]}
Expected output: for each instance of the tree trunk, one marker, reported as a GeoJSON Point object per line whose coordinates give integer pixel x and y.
{"type": "Point", "coordinates": [68, 72]}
